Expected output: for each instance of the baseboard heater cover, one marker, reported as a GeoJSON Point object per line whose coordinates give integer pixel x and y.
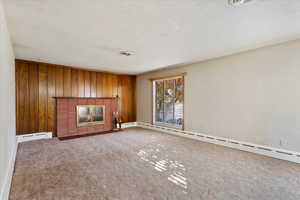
{"type": "Point", "coordinates": [34, 136]}
{"type": "Point", "coordinates": [129, 124]}
{"type": "Point", "coordinates": [244, 146]}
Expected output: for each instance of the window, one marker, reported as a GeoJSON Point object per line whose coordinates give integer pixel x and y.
{"type": "Point", "coordinates": [168, 102]}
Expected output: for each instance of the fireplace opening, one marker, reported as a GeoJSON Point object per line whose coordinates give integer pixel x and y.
{"type": "Point", "coordinates": [88, 115]}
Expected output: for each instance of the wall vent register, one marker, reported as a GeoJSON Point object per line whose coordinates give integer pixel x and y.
{"type": "Point", "coordinates": [237, 2]}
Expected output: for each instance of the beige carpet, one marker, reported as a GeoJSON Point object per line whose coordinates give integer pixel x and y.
{"type": "Point", "coordinates": [139, 164]}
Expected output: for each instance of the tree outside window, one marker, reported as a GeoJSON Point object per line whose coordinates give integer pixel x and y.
{"type": "Point", "coordinates": [168, 100]}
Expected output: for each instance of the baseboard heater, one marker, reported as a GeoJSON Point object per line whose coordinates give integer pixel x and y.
{"type": "Point", "coordinates": [34, 136]}
{"type": "Point", "coordinates": [244, 146]}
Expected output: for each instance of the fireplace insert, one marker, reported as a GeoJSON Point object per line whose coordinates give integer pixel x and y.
{"type": "Point", "coordinates": [88, 115]}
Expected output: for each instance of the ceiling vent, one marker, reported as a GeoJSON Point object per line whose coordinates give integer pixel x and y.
{"type": "Point", "coordinates": [125, 53]}
{"type": "Point", "coordinates": [237, 2]}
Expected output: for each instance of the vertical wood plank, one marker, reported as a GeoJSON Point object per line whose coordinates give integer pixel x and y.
{"type": "Point", "coordinates": [43, 97]}
{"type": "Point", "coordinates": [24, 99]}
{"type": "Point", "coordinates": [93, 76]}
{"type": "Point", "coordinates": [114, 85]}
{"type": "Point", "coordinates": [104, 89]}
{"type": "Point", "coordinates": [125, 104]}
{"type": "Point", "coordinates": [133, 101]}
{"type": "Point", "coordinates": [87, 84]}
{"type": "Point", "coordinates": [59, 81]}
{"type": "Point", "coordinates": [17, 79]}
{"type": "Point", "coordinates": [33, 98]}
{"type": "Point", "coordinates": [51, 117]}
{"type": "Point", "coordinates": [67, 82]}
{"type": "Point", "coordinates": [99, 85]}
{"type": "Point", "coordinates": [107, 83]}
{"type": "Point", "coordinates": [74, 83]}
{"type": "Point", "coordinates": [80, 83]}
{"type": "Point", "coordinates": [120, 95]}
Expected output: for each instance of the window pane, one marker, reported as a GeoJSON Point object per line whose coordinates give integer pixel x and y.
{"type": "Point", "coordinates": [169, 97]}
{"type": "Point", "coordinates": [159, 107]}
{"type": "Point", "coordinates": [168, 102]}
{"type": "Point", "coordinates": [179, 101]}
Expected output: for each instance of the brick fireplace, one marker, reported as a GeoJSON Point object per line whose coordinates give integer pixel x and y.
{"type": "Point", "coordinates": [67, 116]}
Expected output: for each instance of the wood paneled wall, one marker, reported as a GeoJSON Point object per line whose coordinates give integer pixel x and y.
{"type": "Point", "coordinates": [37, 84]}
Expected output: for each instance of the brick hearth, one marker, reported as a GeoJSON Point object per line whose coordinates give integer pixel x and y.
{"type": "Point", "coordinates": [66, 116]}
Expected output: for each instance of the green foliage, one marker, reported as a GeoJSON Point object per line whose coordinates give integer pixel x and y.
{"type": "Point", "coordinates": [168, 92]}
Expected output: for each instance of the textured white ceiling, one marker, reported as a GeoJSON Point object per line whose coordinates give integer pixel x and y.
{"type": "Point", "coordinates": [91, 33]}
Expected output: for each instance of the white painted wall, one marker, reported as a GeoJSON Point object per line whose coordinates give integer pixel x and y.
{"type": "Point", "coordinates": [252, 96]}
{"type": "Point", "coordinates": [7, 106]}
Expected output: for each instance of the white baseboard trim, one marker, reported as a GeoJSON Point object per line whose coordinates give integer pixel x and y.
{"type": "Point", "coordinates": [244, 146]}
{"type": "Point", "coordinates": [4, 195]}
{"type": "Point", "coordinates": [34, 136]}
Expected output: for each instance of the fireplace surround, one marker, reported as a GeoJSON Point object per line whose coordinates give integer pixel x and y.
{"type": "Point", "coordinates": [67, 119]}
